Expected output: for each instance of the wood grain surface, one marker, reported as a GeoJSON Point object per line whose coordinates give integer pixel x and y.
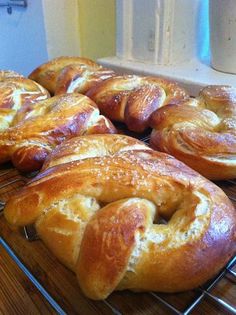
{"type": "Point", "coordinates": [19, 295]}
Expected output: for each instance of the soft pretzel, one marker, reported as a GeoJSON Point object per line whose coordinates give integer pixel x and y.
{"type": "Point", "coordinates": [4, 74]}
{"type": "Point", "coordinates": [49, 123]}
{"type": "Point", "coordinates": [202, 133]}
{"type": "Point", "coordinates": [15, 93]}
{"type": "Point", "coordinates": [99, 216]}
{"type": "Point", "coordinates": [77, 78]}
{"type": "Point", "coordinates": [79, 148]}
{"type": "Point", "coordinates": [69, 74]}
{"type": "Point", "coordinates": [132, 99]}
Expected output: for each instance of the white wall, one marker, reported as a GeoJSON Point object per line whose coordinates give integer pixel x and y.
{"type": "Point", "coordinates": [22, 38]}
{"type": "Point", "coordinates": [62, 27]}
{"type": "Point", "coordinates": [44, 30]}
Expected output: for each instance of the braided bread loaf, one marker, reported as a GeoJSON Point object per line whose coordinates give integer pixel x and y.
{"type": "Point", "coordinates": [48, 124]}
{"type": "Point", "coordinates": [70, 74]}
{"type": "Point", "coordinates": [132, 99]}
{"type": "Point", "coordinates": [15, 93]}
{"type": "Point", "coordinates": [99, 213]}
{"type": "Point", "coordinates": [201, 132]}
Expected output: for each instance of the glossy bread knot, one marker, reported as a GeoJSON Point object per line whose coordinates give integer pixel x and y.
{"type": "Point", "coordinates": [200, 132]}
{"type": "Point", "coordinates": [46, 125]}
{"type": "Point", "coordinates": [70, 74]}
{"type": "Point", "coordinates": [4, 74]}
{"type": "Point", "coordinates": [132, 99]}
{"type": "Point", "coordinates": [80, 78]}
{"type": "Point", "coordinates": [15, 93]}
{"type": "Point", "coordinates": [98, 210]}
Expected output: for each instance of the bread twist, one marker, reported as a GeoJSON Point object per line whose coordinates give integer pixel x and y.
{"type": "Point", "coordinates": [48, 124]}
{"type": "Point", "coordinates": [15, 93]}
{"type": "Point", "coordinates": [132, 99]}
{"type": "Point", "coordinates": [79, 148]}
{"type": "Point", "coordinates": [77, 78]}
{"type": "Point", "coordinates": [70, 74]}
{"type": "Point", "coordinates": [99, 215]}
{"type": "Point", "coordinates": [202, 133]}
{"type": "Point", "coordinates": [4, 74]}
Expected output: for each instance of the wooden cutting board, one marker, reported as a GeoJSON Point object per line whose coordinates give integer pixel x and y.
{"type": "Point", "coordinates": [44, 286]}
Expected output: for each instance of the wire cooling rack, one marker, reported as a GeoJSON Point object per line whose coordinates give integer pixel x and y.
{"type": "Point", "coordinates": [11, 180]}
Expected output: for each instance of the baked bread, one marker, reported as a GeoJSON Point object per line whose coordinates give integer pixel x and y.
{"type": "Point", "coordinates": [70, 74]}
{"type": "Point", "coordinates": [79, 79]}
{"type": "Point", "coordinates": [48, 124]}
{"type": "Point", "coordinates": [132, 99]}
{"type": "Point", "coordinates": [4, 74]}
{"type": "Point", "coordinates": [84, 147]}
{"type": "Point", "coordinates": [99, 215]}
{"type": "Point", "coordinates": [16, 92]}
{"type": "Point", "coordinates": [200, 132]}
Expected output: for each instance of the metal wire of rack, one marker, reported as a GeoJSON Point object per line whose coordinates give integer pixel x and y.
{"type": "Point", "coordinates": [200, 293]}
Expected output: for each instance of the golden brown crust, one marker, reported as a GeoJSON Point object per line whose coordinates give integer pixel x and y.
{"type": "Point", "coordinates": [132, 99]}
{"type": "Point", "coordinates": [48, 124]}
{"type": "Point", "coordinates": [79, 79]}
{"type": "Point", "coordinates": [84, 147]}
{"type": "Point", "coordinates": [110, 237]}
{"type": "Point", "coordinates": [16, 93]}
{"type": "Point", "coordinates": [120, 244]}
{"type": "Point", "coordinates": [47, 73]}
{"type": "Point", "coordinates": [4, 74]}
{"type": "Point", "coordinates": [64, 223]}
{"type": "Point", "coordinates": [69, 74]}
{"type": "Point", "coordinates": [201, 132]}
